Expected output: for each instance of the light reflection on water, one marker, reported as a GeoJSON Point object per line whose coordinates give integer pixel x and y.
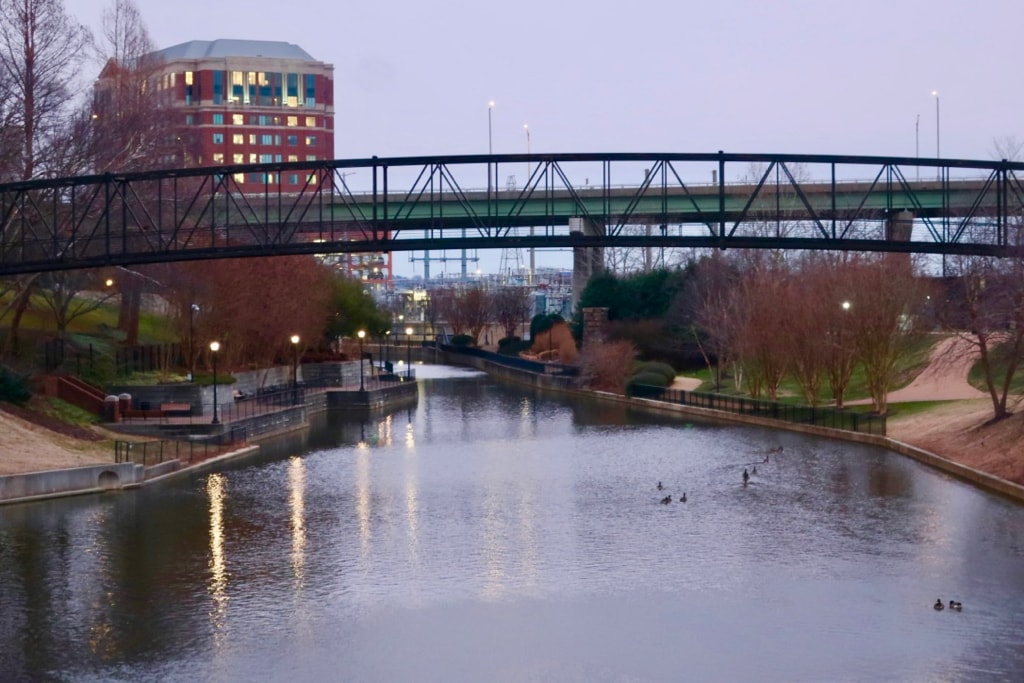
{"type": "Point", "coordinates": [491, 533]}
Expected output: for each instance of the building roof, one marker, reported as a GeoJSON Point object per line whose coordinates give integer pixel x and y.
{"type": "Point", "coordinates": [200, 49]}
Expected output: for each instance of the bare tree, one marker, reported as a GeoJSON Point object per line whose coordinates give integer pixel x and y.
{"type": "Point", "coordinates": [71, 294]}
{"type": "Point", "coordinates": [134, 126]}
{"type": "Point", "coordinates": [986, 310]}
{"type": "Point", "coordinates": [887, 294]}
{"type": "Point", "coordinates": [511, 307]}
{"type": "Point", "coordinates": [42, 50]}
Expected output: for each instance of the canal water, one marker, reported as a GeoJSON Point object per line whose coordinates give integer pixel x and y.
{"type": "Point", "coordinates": [490, 533]}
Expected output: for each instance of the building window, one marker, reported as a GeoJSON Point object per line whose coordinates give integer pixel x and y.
{"type": "Point", "coordinates": [218, 87]}
{"type": "Point", "coordinates": [218, 138]}
{"type": "Point", "coordinates": [266, 139]}
{"type": "Point", "coordinates": [256, 177]}
{"type": "Point", "coordinates": [266, 158]}
{"type": "Point", "coordinates": [310, 90]}
{"type": "Point", "coordinates": [277, 158]}
{"type": "Point", "coordinates": [293, 121]}
{"type": "Point", "coordinates": [189, 120]}
{"type": "Point", "coordinates": [218, 157]}
{"type": "Point", "coordinates": [237, 139]}
{"type": "Point", "coordinates": [310, 157]}
{"type": "Point", "coordinates": [293, 140]}
{"type": "Point", "coordinates": [252, 157]}
{"type": "Point", "coordinates": [238, 119]}
{"type": "Point", "coordinates": [239, 177]}
{"type": "Point", "coordinates": [310, 122]}
{"type": "Point", "coordinates": [293, 157]}
{"type": "Point", "coordinates": [310, 140]}
{"type": "Point", "coordinates": [238, 158]}
{"type": "Point", "coordinates": [252, 138]}
{"type": "Point", "coordinates": [292, 90]}
{"type": "Point", "coordinates": [293, 178]}
{"type": "Point", "coordinates": [218, 119]}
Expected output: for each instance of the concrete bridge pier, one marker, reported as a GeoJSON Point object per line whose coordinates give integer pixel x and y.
{"type": "Point", "coordinates": [899, 225]}
{"type": "Point", "coordinates": [586, 261]}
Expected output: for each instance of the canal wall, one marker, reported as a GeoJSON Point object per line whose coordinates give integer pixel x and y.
{"type": "Point", "coordinates": [18, 488]}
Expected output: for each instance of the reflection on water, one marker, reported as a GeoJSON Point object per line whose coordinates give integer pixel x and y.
{"type": "Point", "coordinates": [494, 533]}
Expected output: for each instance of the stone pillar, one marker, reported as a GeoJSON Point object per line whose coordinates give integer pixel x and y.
{"type": "Point", "coordinates": [594, 320]}
{"type": "Point", "coordinates": [586, 261]}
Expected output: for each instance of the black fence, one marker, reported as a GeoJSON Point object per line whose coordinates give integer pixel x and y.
{"type": "Point", "coordinates": [832, 418]}
{"type": "Point", "coordinates": [148, 453]}
{"type": "Point", "coordinates": [149, 358]}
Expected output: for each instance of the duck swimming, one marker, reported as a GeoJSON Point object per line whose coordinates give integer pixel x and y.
{"type": "Point", "coordinates": [660, 487]}
{"type": "Point", "coordinates": [682, 498]}
{"type": "Point", "coordinates": [666, 500]}
{"type": "Point", "coordinates": [953, 604]}
{"type": "Point", "coordinates": [939, 606]}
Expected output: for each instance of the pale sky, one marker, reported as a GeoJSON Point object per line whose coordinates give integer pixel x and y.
{"type": "Point", "coordinates": [798, 76]}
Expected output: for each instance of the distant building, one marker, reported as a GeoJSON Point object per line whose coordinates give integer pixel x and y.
{"type": "Point", "coordinates": [247, 102]}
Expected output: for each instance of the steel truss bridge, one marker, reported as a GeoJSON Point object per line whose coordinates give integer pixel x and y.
{"type": "Point", "coordinates": [580, 201]}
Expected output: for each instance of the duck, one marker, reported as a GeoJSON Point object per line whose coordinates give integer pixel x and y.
{"type": "Point", "coordinates": [938, 605]}
{"type": "Point", "coordinates": [746, 476]}
{"type": "Point", "coordinates": [953, 604]}
{"type": "Point", "coordinates": [753, 470]}
{"type": "Point", "coordinates": [660, 487]}
{"type": "Point", "coordinates": [682, 498]}
{"type": "Point", "coordinates": [666, 500]}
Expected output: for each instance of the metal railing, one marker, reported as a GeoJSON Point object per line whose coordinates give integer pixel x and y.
{"type": "Point", "coordinates": [832, 418]}
{"type": "Point", "coordinates": [148, 453]}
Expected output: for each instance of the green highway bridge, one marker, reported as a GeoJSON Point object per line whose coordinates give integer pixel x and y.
{"type": "Point", "coordinates": [580, 201]}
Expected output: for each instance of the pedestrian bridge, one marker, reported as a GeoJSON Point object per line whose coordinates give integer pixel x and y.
{"type": "Point", "coordinates": [579, 201]}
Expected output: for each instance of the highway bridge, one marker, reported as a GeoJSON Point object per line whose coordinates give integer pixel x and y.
{"type": "Point", "coordinates": [580, 201]}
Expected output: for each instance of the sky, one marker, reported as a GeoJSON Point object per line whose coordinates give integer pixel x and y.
{"type": "Point", "coordinates": [798, 76]}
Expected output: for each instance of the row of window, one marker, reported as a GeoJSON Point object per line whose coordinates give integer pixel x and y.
{"type": "Point", "coordinates": [263, 88]}
{"type": "Point", "coordinates": [239, 158]}
{"type": "Point", "coordinates": [272, 178]}
{"type": "Point", "coordinates": [264, 139]}
{"type": "Point", "coordinates": [256, 120]}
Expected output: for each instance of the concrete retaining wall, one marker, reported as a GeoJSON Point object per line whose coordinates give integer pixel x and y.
{"type": "Point", "coordinates": [35, 485]}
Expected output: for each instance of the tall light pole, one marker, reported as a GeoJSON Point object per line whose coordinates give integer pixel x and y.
{"type": "Point", "coordinates": [408, 353]}
{"type": "Point", "coordinates": [295, 369]}
{"type": "Point", "coordinates": [214, 348]}
{"type": "Point", "coordinates": [387, 348]}
{"type": "Point", "coordinates": [533, 252]}
{"type": "Point", "coordinates": [192, 310]}
{"type": "Point", "coordinates": [361, 334]}
{"type": "Point", "coordinates": [490, 144]}
{"type": "Point", "coordinates": [529, 170]}
{"type": "Point", "coordinates": [938, 150]}
{"type": "Point", "coordinates": [917, 143]}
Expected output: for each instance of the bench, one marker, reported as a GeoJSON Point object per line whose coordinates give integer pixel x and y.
{"type": "Point", "coordinates": [176, 409]}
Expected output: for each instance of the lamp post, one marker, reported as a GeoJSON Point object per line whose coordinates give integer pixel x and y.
{"type": "Point", "coordinates": [533, 253]}
{"type": "Point", "coordinates": [408, 353]}
{"type": "Point", "coordinates": [295, 369]}
{"type": "Point", "coordinates": [490, 144]}
{"type": "Point", "coordinates": [529, 170]}
{"type": "Point", "coordinates": [214, 348]}
{"type": "Point", "coordinates": [938, 151]}
{"type": "Point", "coordinates": [361, 334]}
{"type": "Point", "coordinates": [387, 348]}
{"type": "Point", "coordinates": [192, 310]}
{"type": "Point", "coordinates": [917, 143]}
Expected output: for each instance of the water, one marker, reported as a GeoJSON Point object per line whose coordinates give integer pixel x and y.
{"type": "Point", "coordinates": [491, 533]}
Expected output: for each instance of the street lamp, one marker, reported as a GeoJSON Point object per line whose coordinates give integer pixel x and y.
{"type": "Point", "coordinates": [408, 353]}
{"type": "Point", "coordinates": [361, 334]}
{"type": "Point", "coordinates": [526, 127]}
{"type": "Point", "coordinates": [214, 348]}
{"type": "Point", "coordinates": [295, 369]}
{"type": "Point", "coordinates": [938, 153]}
{"type": "Point", "coordinates": [192, 310]}
{"type": "Point", "coordinates": [533, 253]}
{"type": "Point", "coordinates": [387, 347]}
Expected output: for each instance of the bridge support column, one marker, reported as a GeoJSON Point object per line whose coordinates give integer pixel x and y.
{"type": "Point", "coordinates": [899, 226]}
{"type": "Point", "coordinates": [586, 261]}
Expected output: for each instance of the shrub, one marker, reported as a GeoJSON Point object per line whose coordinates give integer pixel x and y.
{"type": "Point", "coordinates": [512, 346]}
{"type": "Point", "coordinates": [462, 340]}
{"type": "Point", "coordinates": [654, 379]}
{"type": "Point", "coordinates": [659, 368]}
{"type": "Point", "coordinates": [13, 389]}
